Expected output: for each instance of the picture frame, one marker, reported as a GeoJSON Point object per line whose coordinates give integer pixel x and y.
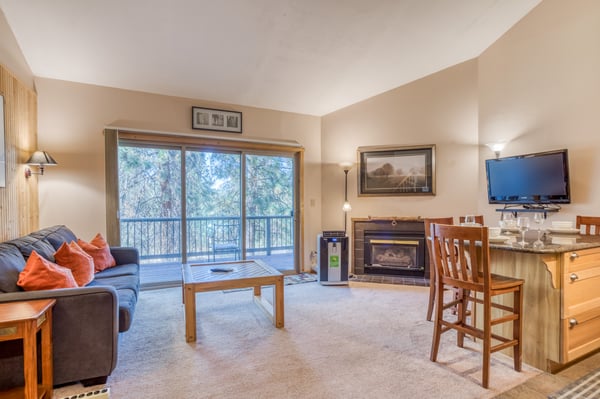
{"type": "Point", "coordinates": [216, 119]}
{"type": "Point", "coordinates": [396, 170]}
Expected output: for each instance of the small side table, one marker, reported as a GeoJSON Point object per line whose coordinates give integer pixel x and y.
{"type": "Point", "coordinates": [22, 320]}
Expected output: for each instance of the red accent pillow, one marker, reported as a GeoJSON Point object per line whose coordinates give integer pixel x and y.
{"type": "Point", "coordinates": [41, 274]}
{"type": "Point", "coordinates": [73, 257]}
{"type": "Point", "coordinates": [99, 250]}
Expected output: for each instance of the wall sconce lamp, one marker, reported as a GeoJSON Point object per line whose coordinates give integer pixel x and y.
{"type": "Point", "coordinates": [497, 147]}
{"type": "Point", "coordinates": [346, 167]}
{"type": "Point", "coordinates": [40, 159]}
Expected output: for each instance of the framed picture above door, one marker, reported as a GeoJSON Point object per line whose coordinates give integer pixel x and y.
{"type": "Point", "coordinates": [216, 119]}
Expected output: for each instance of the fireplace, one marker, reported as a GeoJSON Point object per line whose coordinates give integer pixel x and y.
{"type": "Point", "coordinates": [390, 247]}
{"type": "Point", "coordinates": [394, 253]}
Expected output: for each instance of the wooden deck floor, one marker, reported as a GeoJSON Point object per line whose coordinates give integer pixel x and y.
{"type": "Point", "coordinates": [162, 275]}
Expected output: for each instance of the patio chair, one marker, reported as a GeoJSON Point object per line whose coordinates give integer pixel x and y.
{"type": "Point", "coordinates": [225, 239]}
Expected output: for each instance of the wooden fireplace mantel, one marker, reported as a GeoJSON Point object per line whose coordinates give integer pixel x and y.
{"type": "Point", "coordinates": [388, 218]}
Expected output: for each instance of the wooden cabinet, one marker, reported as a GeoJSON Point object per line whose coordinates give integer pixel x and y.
{"type": "Point", "coordinates": [561, 322]}
{"type": "Point", "coordinates": [580, 316]}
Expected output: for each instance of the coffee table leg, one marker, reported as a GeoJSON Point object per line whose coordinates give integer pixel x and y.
{"type": "Point", "coordinates": [190, 314]}
{"type": "Point", "coordinates": [278, 303]}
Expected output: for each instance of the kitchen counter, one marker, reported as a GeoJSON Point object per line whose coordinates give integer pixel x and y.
{"type": "Point", "coordinates": [561, 321]}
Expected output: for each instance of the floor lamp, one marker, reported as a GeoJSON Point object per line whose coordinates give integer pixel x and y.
{"type": "Point", "coordinates": [346, 167]}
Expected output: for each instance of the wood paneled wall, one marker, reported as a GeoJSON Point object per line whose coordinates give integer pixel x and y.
{"type": "Point", "coordinates": [19, 208]}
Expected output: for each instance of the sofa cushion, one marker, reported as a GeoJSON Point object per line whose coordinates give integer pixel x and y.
{"type": "Point", "coordinates": [81, 264]}
{"type": "Point", "coordinates": [131, 269]}
{"type": "Point", "coordinates": [100, 251]}
{"type": "Point", "coordinates": [118, 282]}
{"type": "Point", "coordinates": [11, 264]}
{"type": "Point", "coordinates": [41, 274]}
{"type": "Point", "coordinates": [55, 235]}
{"type": "Point", "coordinates": [27, 244]}
{"type": "Point", "coordinates": [127, 287]}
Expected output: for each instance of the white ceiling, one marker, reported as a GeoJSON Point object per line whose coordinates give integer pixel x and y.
{"type": "Point", "coordinates": [306, 56]}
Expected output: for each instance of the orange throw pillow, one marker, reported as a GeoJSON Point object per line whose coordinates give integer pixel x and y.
{"type": "Point", "coordinates": [41, 274]}
{"type": "Point", "coordinates": [99, 250]}
{"type": "Point", "coordinates": [73, 257]}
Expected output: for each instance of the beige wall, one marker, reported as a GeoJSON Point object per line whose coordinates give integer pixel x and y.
{"type": "Point", "coordinates": [19, 197]}
{"type": "Point", "coordinates": [71, 120]}
{"type": "Point", "coordinates": [440, 109]}
{"type": "Point", "coordinates": [11, 56]}
{"type": "Point", "coordinates": [539, 87]}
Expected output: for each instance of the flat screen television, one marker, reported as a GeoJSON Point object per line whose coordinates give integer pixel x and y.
{"type": "Point", "coordinates": [539, 178]}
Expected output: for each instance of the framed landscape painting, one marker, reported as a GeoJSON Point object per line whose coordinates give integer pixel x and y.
{"type": "Point", "coordinates": [396, 171]}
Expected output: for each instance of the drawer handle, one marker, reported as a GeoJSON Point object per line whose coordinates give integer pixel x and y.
{"type": "Point", "coordinates": [573, 322]}
{"type": "Point", "coordinates": [574, 255]}
{"type": "Point", "coordinates": [573, 277]}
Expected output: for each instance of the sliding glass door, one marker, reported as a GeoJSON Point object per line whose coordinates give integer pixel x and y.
{"type": "Point", "coordinates": [213, 200]}
{"type": "Point", "coordinates": [269, 211]}
{"type": "Point", "coordinates": [188, 204]}
{"type": "Point", "coordinates": [150, 205]}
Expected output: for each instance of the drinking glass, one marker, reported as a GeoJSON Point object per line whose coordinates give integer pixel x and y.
{"type": "Point", "coordinates": [538, 218]}
{"type": "Point", "coordinates": [469, 220]}
{"type": "Point", "coordinates": [508, 220]}
{"type": "Point", "coordinates": [523, 225]}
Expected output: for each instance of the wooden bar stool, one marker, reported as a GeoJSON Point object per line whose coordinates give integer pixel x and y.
{"type": "Point", "coordinates": [427, 222]}
{"type": "Point", "coordinates": [462, 261]}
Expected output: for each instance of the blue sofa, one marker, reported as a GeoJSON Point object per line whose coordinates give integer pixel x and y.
{"type": "Point", "coordinates": [86, 320]}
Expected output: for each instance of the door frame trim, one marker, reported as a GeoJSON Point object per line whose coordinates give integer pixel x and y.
{"type": "Point", "coordinates": [115, 135]}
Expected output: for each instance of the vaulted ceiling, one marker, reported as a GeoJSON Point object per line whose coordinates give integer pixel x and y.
{"type": "Point", "coordinates": [306, 56]}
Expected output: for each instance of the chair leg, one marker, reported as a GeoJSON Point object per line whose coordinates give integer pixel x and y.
{"type": "Point", "coordinates": [487, 342]}
{"type": "Point", "coordinates": [431, 294]}
{"type": "Point", "coordinates": [518, 329]}
{"type": "Point", "coordinates": [437, 326]}
{"type": "Point", "coordinates": [461, 314]}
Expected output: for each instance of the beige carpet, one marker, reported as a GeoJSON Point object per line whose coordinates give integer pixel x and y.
{"type": "Point", "coordinates": [359, 341]}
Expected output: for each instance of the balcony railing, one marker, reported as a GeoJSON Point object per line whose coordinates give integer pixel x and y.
{"type": "Point", "coordinates": [159, 239]}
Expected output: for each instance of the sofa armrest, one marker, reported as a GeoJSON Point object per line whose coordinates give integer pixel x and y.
{"type": "Point", "coordinates": [85, 326]}
{"type": "Point", "coordinates": [55, 293]}
{"type": "Point", "coordinates": [125, 255]}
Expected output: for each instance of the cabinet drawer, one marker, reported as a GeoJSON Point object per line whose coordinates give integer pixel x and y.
{"type": "Point", "coordinates": [577, 261]}
{"type": "Point", "coordinates": [581, 334]}
{"type": "Point", "coordinates": [581, 294]}
{"type": "Point", "coordinates": [581, 279]}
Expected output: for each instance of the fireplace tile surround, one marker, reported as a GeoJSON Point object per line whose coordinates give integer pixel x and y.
{"type": "Point", "coordinates": [362, 228]}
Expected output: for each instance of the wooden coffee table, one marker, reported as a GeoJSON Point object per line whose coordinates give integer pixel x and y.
{"type": "Point", "coordinates": [244, 274]}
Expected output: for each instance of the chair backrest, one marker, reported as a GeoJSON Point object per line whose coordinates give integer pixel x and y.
{"type": "Point", "coordinates": [226, 231]}
{"type": "Point", "coordinates": [461, 256]}
{"type": "Point", "coordinates": [478, 219]}
{"type": "Point", "coordinates": [590, 224]}
{"type": "Point", "coordinates": [427, 222]}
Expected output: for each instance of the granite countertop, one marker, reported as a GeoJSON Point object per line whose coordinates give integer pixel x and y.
{"type": "Point", "coordinates": [553, 243]}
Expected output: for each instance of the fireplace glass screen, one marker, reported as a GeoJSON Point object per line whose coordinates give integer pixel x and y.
{"type": "Point", "coordinates": [394, 253]}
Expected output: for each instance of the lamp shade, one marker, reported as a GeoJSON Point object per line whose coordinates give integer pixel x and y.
{"type": "Point", "coordinates": [496, 146]}
{"type": "Point", "coordinates": [41, 158]}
